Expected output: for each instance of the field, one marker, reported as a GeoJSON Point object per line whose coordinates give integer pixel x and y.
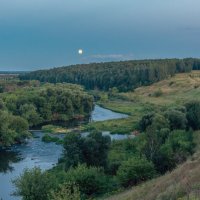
{"type": "Point", "coordinates": [158, 96]}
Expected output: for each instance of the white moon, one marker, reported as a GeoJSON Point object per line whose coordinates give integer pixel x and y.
{"type": "Point", "coordinates": [80, 51]}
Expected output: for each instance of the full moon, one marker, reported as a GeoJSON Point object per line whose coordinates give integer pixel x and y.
{"type": "Point", "coordinates": [80, 51]}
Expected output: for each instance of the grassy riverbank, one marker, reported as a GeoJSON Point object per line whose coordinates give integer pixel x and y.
{"type": "Point", "coordinates": [174, 91]}
{"type": "Point", "coordinates": [157, 97]}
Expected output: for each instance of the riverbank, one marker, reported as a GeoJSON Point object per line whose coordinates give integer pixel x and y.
{"type": "Point", "coordinates": [38, 153]}
{"type": "Point", "coordinates": [157, 97]}
{"type": "Point", "coordinates": [101, 119]}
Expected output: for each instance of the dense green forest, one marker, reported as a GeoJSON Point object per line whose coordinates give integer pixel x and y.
{"type": "Point", "coordinates": [33, 105]}
{"type": "Point", "coordinates": [125, 75]}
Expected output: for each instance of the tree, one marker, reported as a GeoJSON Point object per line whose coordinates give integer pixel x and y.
{"type": "Point", "coordinates": [12, 128]}
{"type": "Point", "coordinates": [73, 150]}
{"type": "Point", "coordinates": [146, 121]}
{"type": "Point", "coordinates": [174, 151]}
{"type": "Point", "coordinates": [135, 170]}
{"type": "Point", "coordinates": [66, 191]}
{"type": "Point", "coordinates": [95, 149]}
{"type": "Point", "coordinates": [176, 119]}
{"type": "Point", "coordinates": [34, 184]}
{"type": "Point", "coordinates": [29, 112]}
{"type": "Point", "coordinates": [92, 150]}
{"type": "Point", "coordinates": [91, 180]}
{"type": "Point", "coordinates": [193, 114]}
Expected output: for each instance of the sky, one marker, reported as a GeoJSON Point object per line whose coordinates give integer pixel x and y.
{"type": "Point", "coordinates": [39, 34]}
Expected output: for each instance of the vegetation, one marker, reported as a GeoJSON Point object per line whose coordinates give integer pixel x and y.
{"type": "Point", "coordinates": [91, 150]}
{"type": "Point", "coordinates": [49, 103]}
{"type": "Point", "coordinates": [177, 91]}
{"type": "Point", "coordinates": [124, 76]}
{"type": "Point", "coordinates": [180, 184]}
{"type": "Point", "coordinates": [12, 128]}
{"type": "Point", "coordinates": [33, 106]}
{"type": "Point", "coordinates": [165, 125]}
{"type": "Point", "coordinates": [47, 138]}
{"type": "Point", "coordinates": [98, 166]}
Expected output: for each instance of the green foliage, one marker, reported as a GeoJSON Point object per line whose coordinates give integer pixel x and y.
{"type": "Point", "coordinates": [12, 128]}
{"type": "Point", "coordinates": [135, 170]}
{"type": "Point", "coordinates": [33, 184]}
{"type": "Point", "coordinates": [47, 138]}
{"type": "Point", "coordinates": [146, 121]}
{"type": "Point", "coordinates": [177, 119]}
{"type": "Point", "coordinates": [29, 112]}
{"type": "Point", "coordinates": [193, 114]}
{"type": "Point", "coordinates": [157, 93]}
{"type": "Point", "coordinates": [92, 150]}
{"type": "Point", "coordinates": [67, 191]}
{"type": "Point", "coordinates": [120, 151]}
{"type": "Point", "coordinates": [123, 76]}
{"type": "Point", "coordinates": [91, 180]}
{"type": "Point", "coordinates": [49, 102]}
{"type": "Point", "coordinates": [164, 147]}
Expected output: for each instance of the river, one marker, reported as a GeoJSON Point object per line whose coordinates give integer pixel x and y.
{"type": "Point", "coordinates": [37, 153]}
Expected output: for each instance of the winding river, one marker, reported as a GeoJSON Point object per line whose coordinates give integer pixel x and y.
{"type": "Point", "coordinates": [37, 153]}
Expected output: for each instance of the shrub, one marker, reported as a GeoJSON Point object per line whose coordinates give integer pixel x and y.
{"type": "Point", "coordinates": [176, 119]}
{"type": "Point", "coordinates": [67, 191]}
{"type": "Point", "coordinates": [33, 184]}
{"type": "Point", "coordinates": [193, 114]}
{"type": "Point", "coordinates": [135, 170]}
{"type": "Point", "coordinates": [91, 180]}
{"type": "Point", "coordinates": [157, 93]}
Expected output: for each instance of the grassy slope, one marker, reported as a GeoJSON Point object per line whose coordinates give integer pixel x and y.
{"type": "Point", "coordinates": [175, 91]}
{"type": "Point", "coordinates": [185, 179]}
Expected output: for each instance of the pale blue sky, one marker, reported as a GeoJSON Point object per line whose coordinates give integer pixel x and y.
{"type": "Point", "coordinates": [37, 34]}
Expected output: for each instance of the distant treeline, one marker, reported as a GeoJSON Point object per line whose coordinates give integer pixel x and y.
{"type": "Point", "coordinates": [125, 75]}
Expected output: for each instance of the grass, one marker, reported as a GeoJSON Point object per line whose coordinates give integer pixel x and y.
{"type": "Point", "coordinates": [159, 96]}
{"type": "Point", "coordinates": [182, 183]}
{"type": "Point", "coordinates": [53, 129]}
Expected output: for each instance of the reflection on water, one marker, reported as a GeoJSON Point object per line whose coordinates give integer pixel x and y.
{"type": "Point", "coordinates": [102, 114]}
{"type": "Point", "coordinates": [7, 158]}
{"type": "Point", "coordinates": [33, 153]}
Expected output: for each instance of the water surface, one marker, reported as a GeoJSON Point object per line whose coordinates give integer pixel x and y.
{"type": "Point", "coordinates": [37, 153]}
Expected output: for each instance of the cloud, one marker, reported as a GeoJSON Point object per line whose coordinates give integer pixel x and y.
{"type": "Point", "coordinates": [110, 57]}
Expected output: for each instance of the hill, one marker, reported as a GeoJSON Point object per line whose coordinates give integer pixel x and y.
{"type": "Point", "coordinates": [176, 90]}
{"type": "Point", "coordinates": [124, 76]}
{"type": "Point", "coordinates": [182, 183]}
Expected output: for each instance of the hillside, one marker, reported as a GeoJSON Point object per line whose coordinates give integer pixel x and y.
{"type": "Point", "coordinates": [181, 183]}
{"type": "Point", "coordinates": [173, 91]}
{"type": "Point", "coordinates": [124, 76]}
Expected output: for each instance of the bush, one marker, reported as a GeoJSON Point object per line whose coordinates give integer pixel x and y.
{"type": "Point", "coordinates": [176, 119]}
{"type": "Point", "coordinates": [135, 170]}
{"type": "Point", "coordinates": [92, 150]}
{"type": "Point", "coordinates": [67, 191]}
{"type": "Point", "coordinates": [91, 180]}
{"type": "Point", "coordinates": [157, 93]}
{"type": "Point", "coordinates": [193, 114]}
{"type": "Point", "coordinates": [33, 184]}
{"type": "Point", "coordinates": [47, 138]}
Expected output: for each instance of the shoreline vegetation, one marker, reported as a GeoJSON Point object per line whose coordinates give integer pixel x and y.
{"type": "Point", "coordinates": [162, 100]}
{"type": "Point", "coordinates": [32, 105]}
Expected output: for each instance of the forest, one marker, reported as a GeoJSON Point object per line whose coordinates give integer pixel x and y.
{"type": "Point", "coordinates": [37, 104]}
{"type": "Point", "coordinates": [124, 76]}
